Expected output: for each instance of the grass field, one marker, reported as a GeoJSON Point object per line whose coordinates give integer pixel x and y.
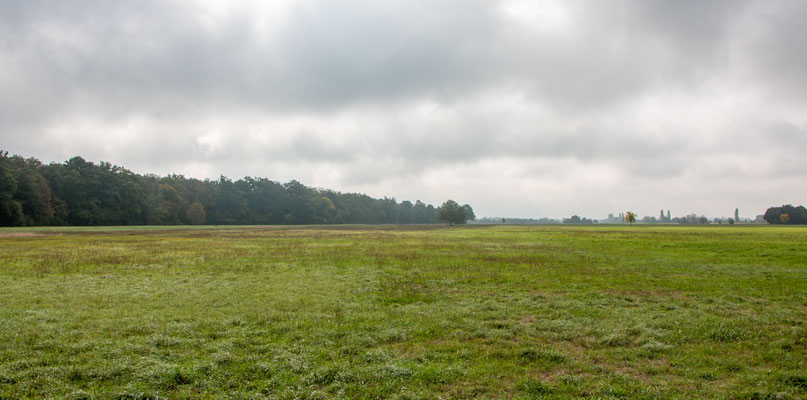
{"type": "Point", "coordinates": [636, 312]}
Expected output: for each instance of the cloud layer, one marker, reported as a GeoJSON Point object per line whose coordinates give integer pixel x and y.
{"type": "Point", "coordinates": [534, 108]}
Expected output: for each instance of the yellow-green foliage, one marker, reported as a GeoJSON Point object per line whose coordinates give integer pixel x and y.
{"type": "Point", "coordinates": [404, 312]}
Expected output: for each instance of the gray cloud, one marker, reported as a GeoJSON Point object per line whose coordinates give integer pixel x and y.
{"type": "Point", "coordinates": [148, 55]}
{"type": "Point", "coordinates": [774, 56]}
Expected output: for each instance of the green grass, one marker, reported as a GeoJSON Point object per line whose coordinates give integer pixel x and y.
{"type": "Point", "coordinates": [602, 312]}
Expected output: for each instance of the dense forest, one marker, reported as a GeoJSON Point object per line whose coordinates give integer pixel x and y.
{"type": "Point", "coordinates": [79, 192]}
{"type": "Point", "coordinates": [786, 214]}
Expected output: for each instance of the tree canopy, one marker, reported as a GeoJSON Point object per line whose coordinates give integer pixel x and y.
{"type": "Point", "coordinates": [630, 217]}
{"type": "Point", "coordinates": [795, 215]}
{"type": "Point", "coordinates": [452, 213]}
{"type": "Point", "coordinates": [79, 192]}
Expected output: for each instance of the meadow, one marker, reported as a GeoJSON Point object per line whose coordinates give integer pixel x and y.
{"type": "Point", "coordinates": [404, 312]}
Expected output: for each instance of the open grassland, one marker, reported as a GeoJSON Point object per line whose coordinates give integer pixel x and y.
{"type": "Point", "coordinates": [404, 312]}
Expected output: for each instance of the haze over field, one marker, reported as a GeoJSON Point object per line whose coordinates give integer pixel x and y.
{"type": "Point", "coordinates": [520, 108]}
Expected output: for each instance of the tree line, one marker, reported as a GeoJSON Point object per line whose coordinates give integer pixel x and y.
{"type": "Point", "coordinates": [80, 192]}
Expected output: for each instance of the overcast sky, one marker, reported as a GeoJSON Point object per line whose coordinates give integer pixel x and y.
{"type": "Point", "coordinates": [520, 108]}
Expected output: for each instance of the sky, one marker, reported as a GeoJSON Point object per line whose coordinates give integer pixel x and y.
{"type": "Point", "coordinates": [543, 108]}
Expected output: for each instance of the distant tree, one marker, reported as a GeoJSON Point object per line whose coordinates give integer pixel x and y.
{"type": "Point", "coordinates": [405, 215]}
{"type": "Point", "coordinates": [731, 221]}
{"type": "Point", "coordinates": [172, 203]}
{"type": "Point", "coordinates": [693, 219]}
{"type": "Point", "coordinates": [630, 217]}
{"type": "Point", "coordinates": [795, 215]}
{"type": "Point", "coordinates": [33, 192]}
{"type": "Point", "coordinates": [389, 211]}
{"type": "Point", "coordinates": [784, 218]}
{"type": "Point", "coordinates": [469, 213]}
{"type": "Point", "coordinates": [327, 203]}
{"type": "Point", "coordinates": [575, 219]}
{"type": "Point", "coordinates": [229, 205]}
{"type": "Point", "coordinates": [196, 214]}
{"type": "Point", "coordinates": [95, 194]}
{"type": "Point", "coordinates": [78, 192]}
{"type": "Point", "coordinates": [431, 214]}
{"type": "Point", "coordinates": [265, 200]}
{"type": "Point", "coordinates": [451, 213]}
{"type": "Point", "coordinates": [10, 209]}
{"type": "Point", "coordinates": [503, 220]}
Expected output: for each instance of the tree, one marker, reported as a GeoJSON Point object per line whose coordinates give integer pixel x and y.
{"type": "Point", "coordinates": [32, 190]}
{"type": "Point", "coordinates": [452, 213]}
{"type": "Point", "coordinates": [784, 218]}
{"type": "Point", "coordinates": [196, 214]}
{"type": "Point", "coordinates": [79, 192]}
{"type": "Point", "coordinates": [230, 204]}
{"type": "Point", "coordinates": [795, 215]}
{"type": "Point", "coordinates": [469, 213]}
{"type": "Point", "coordinates": [10, 209]}
{"type": "Point", "coordinates": [172, 204]}
{"type": "Point", "coordinates": [405, 213]}
{"type": "Point", "coordinates": [575, 219]}
{"type": "Point", "coordinates": [630, 217]}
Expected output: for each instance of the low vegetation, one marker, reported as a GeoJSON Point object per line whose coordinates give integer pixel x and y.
{"type": "Point", "coordinates": [404, 312]}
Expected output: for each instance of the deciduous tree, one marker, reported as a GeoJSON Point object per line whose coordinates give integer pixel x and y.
{"type": "Point", "coordinates": [469, 213]}
{"type": "Point", "coordinates": [451, 213]}
{"type": "Point", "coordinates": [795, 215]}
{"type": "Point", "coordinates": [196, 214]}
{"type": "Point", "coordinates": [630, 217]}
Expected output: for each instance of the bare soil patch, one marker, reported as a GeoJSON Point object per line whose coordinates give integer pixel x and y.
{"type": "Point", "coordinates": [19, 234]}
